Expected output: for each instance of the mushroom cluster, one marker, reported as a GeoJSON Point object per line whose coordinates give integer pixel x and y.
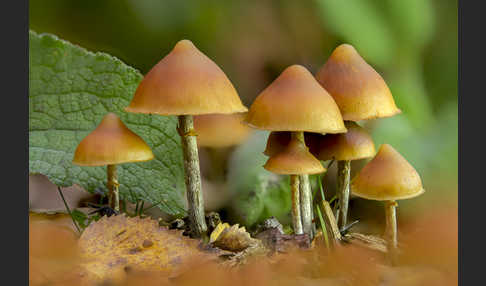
{"type": "Point", "coordinates": [310, 119]}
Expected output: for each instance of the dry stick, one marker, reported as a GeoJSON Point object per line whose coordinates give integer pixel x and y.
{"type": "Point", "coordinates": [296, 218]}
{"type": "Point", "coordinates": [112, 185]}
{"type": "Point", "coordinates": [329, 219]}
{"type": "Point", "coordinates": [343, 176]}
{"type": "Point", "coordinates": [192, 176]}
{"type": "Point", "coordinates": [391, 228]}
{"type": "Point", "coordinates": [305, 195]}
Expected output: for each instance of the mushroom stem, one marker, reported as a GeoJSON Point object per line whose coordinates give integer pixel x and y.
{"type": "Point", "coordinates": [306, 204]}
{"type": "Point", "coordinates": [192, 176]}
{"type": "Point", "coordinates": [112, 185]}
{"type": "Point", "coordinates": [343, 176]}
{"type": "Point", "coordinates": [296, 219]}
{"type": "Point", "coordinates": [391, 226]}
{"type": "Point", "coordinates": [305, 194]}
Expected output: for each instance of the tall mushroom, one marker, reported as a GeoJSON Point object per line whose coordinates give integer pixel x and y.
{"type": "Point", "coordinates": [186, 83]}
{"type": "Point", "coordinates": [361, 94]}
{"type": "Point", "coordinates": [388, 177]}
{"type": "Point", "coordinates": [296, 102]}
{"type": "Point", "coordinates": [111, 143]}
{"type": "Point", "coordinates": [353, 145]}
{"type": "Point", "coordinates": [294, 160]}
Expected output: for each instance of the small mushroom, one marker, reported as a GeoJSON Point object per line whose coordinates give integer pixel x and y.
{"type": "Point", "coordinates": [296, 102]}
{"type": "Point", "coordinates": [388, 177]}
{"type": "Point", "coordinates": [278, 140]}
{"type": "Point", "coordinates": [294, 160]}
{"type": "Point", "coordinates": [216, 135]}
{"type": "Point", "coordinates": [361, 94]}
{"type": "Point", "coordinates": [111, 143]}
{"type": "Point", "coordinates": [353, 145]}
{"type": "Point", "coordinates": [186, 83]}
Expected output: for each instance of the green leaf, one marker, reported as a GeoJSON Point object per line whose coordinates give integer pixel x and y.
{"type": "Point", "coordinates": [70, 90]}
{"type": "Point", "coordinates": [80, 218]}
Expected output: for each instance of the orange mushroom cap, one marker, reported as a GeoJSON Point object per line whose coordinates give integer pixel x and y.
{"type": "Point", "coordinates": [278, 140]}
{"type": "Point", "coordinates": [220, 130]}
{"type": "Point", "coordinates": [295, 102]}
{"type": "Point", "coordinates": [387, 177]}
{"type": "Point", "coordinates": [185, 82]}
{"type": "Point", "coordinates": [359, 91]}
{"type": "Point", "coordinates": [295, 159]}
{"type": "Point", "coordinates": [111, 143]}
{"type": "Point", "coordinates": [353, 145]}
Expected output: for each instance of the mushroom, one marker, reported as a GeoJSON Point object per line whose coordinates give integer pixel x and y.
{"type": "Point", "coordinates": [355, 144]}
{"type": "Point", "coordinates": [216, 134]}
{"type": "Point", "coordinates": [278, 140]}
{"type": "Point", "coordinates": [294, 160]}
{"type": "Point", "coordinates": [388, 177]}
{"type": "Point", "coordinates": [361, 94]}
{"type": "Point", "coordinates": [111, 143]}
{"type": "Point", "coordinates": [296, 102]}
{"type": "Point", "coordinates": [186, 83]}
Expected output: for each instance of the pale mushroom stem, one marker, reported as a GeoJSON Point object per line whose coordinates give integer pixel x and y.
{"type": "Point", "coordinates": [343, 176]}
{"type": "Point", "coordinates": [112, 185]}
{"type": "Point", "coordinates": [305, 195]}
{"type": "Point", "coordinates": [391, 227]}
{"type": "Point", "coordinates": [192, 176]}
{"type": "Point", "coordinates": [306, 204]}
{"type": "Point", "coordinates": [296, 218]}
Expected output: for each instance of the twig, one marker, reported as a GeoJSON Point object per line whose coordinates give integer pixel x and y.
{"type": "Point", "coordinates": [323, 226]}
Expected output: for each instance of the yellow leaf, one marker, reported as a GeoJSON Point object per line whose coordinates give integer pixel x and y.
{"type": "Point", "coordinates": [217, 231]}
{"type": "Point", "coordinates": [114, 244]}
{"type": "Point", "coordinates": [232, 238]}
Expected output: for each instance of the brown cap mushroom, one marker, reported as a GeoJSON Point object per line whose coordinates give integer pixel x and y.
{"type": "Point", "coordinates": [111, 143]}
{"type": "Point", "coordinates": [353, 145]}
{"type": "Point", "coordinates": [295, 159]}
{"type": "Point", "coordinates": [220, 130]}
{"type": "Point", "coordinates": [278, 140]}
{"type": "Point", "coordinates": [186, 82]}
{"type": "Point", "coordinates": [387, 177]}
{"type": "Point", "coordinates": [295, 102]}
{"type": "Point", "coordinates": [359, 91]}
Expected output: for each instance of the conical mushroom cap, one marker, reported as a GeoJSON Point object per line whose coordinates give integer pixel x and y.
{"type": "Point", "coordinates": [295, 102]}
{"type": "Point", "coordinates": [359, 91]}
{"type": "Point", "coordinates": [295, 159]}
{"type": "Point", "coordinates": [278, 140]}
{"type": "Point", "coordinates": [353, 145]}
{"type": "Point", "coordinates": [185, 82]}
{"type": "Point", "coordinates": [387, 177]}
{"type": "Point", "coordinates": [220, 130]}
{"type": "Point", "coordinates": [111, 143]}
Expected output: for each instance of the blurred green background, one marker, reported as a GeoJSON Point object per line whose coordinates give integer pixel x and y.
{"type": "Point", "coordinates": [412, 44]}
